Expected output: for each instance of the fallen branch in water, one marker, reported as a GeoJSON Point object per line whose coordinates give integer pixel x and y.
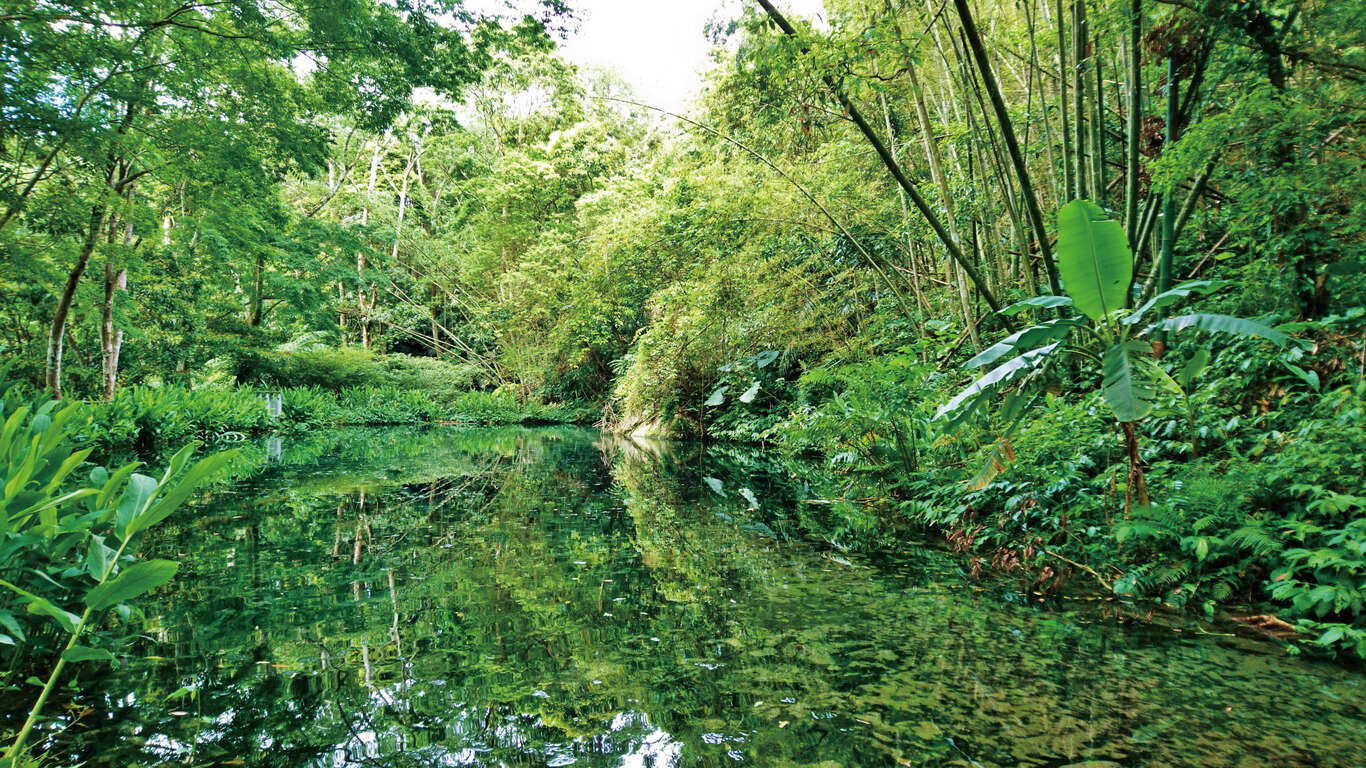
{"type": "Point", "coordinates": [1086, 568]}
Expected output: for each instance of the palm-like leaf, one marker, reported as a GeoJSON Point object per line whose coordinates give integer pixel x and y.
{"type": "Point", "coordinates": [965, 403]}
{"type": "Point", "coordinates": [1171, 296]}
{"type": "Point", "coordinates": [1039, 302]}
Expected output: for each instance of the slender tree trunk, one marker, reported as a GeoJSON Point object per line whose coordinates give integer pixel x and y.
{"type": "Point", "coordinates": [905, 218]}
{"type": "Point", "coordinates": [1133, 62]}
{"type": "Point", "coordinates": [258, 288]}
{"type": "Point", "coordinates": [941, 181]}
{"type": "Point", "coordinates": [1098, 128]}
{"type": "Point", "coordinates": [1068, 180]}
{"type": "Point", "coordinates": [1137, 487]}
{"type": "Point", "coordinates": [52, 369]}
{"type": "Point", "coordinates": [111, 339]}
{"type": "Point", "coordinates": [1164, 269]}
{"type": "Point", "coordinates": [1079, 57]}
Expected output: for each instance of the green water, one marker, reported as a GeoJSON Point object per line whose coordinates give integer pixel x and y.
{"type": "Point", "coordinates": [552, 598]}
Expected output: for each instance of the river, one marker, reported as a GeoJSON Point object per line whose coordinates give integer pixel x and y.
{"type": "Point", "coordinates": [554, 597]}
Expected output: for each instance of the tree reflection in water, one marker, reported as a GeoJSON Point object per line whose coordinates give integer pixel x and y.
{"type": "Point", "coordinates": [553, 597]}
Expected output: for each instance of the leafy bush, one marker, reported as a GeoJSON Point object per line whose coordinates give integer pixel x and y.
{"type": "Point", "coordinates": [349, 367]}
{"type": "Point", "coordinates": [140, 418]}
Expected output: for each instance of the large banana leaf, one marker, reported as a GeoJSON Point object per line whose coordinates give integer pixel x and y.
{"type": "Point", "coordinates": [1094, 261]}
{"type": "Point", "coordinates": [1038, 302]}
{"type": "Point", "coordinates": [1127, 391]}
{"type": "Point", "coordinates": [1172, 296]}
{"type": "Point", "coordinates": [965, 403]}
{"type": "Point", "coordinates": [1028, 338]}
{"type": "Point", "coordinates": [1238, 326]}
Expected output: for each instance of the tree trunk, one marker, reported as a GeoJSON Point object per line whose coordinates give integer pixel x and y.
{"type": "Point", "coordinates": [1137, 486]}
{"type": "Point", "coordinates": [1069, 181]}
{"type": "Point", "coordinates": [111, 339]}
{"type": "Point", "coordinates": [1164, 268]}
{"type": "Point", "coordinates": [258, 287]}
{"type": "Point", "coordinates": [1079, 57]}
{"type": "Point", "coordinates": [52, 369]}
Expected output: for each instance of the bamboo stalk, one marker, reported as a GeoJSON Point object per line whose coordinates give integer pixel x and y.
{"type": "Point", "coordinates": [1031, 200]}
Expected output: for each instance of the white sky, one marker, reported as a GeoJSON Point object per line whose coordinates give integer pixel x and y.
{"type": "Point", "coordinates": [658, 46]}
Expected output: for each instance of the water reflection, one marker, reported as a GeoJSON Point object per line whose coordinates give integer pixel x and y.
{"type": "Point", "coordinates": [553, 597]}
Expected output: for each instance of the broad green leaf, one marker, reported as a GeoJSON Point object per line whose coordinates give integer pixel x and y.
{"type": "Point", "coordinates": [1171, 296]}
{"type": "Point", "coordinates": [1331, 636]}
{"type": "Point", "coordinates": [179, 460]}
{"type": "Point", "coordinates": [98, 558]}
{"type": "Point", "coordinates": [85, 653]}
{"type": "Point", "coordinates": [763, 359]}
{"type": "Point", "coordinates": [66, 619]}
{"type": "Point", "coordinates": [1040, 302]}
{"type": "Point", "coordinates": [135, 499]}
{"type": "Point", "coordinates": [1123, 387]}
{"type": "Point", "coordinates": [1028, 338]}
{"type": "Point", "coordinates": [1197, 363]}
{"type": "Point", "coordinates": [8, 621]}
{"type": "Point", "coordinates": [749, 394]}
{"type": "Point", "coordinates": [180, 693]}
{"type": "Point", "coordinates": [1310, 378]}
{"type": "Point", "coordinates": [202, 472]}
{"type": "Point", "coordinates": [718, 397]}
{"type": "Point", "coordinates": [19, 517]}
{"type": "Point", "coordinates": [1093, 259]}
{"type": "Point", "coordinates": [19, 477]}
{"type": "Point", "coordinates": [1239, 326]}
{"type": "Point", "coordinates": [977, 393]}
{"type": "Point", "coordinates": [131, 582]}
{"type": "Point", "coordinates": [66, 468]}
{"type": "Point", "coordinates": [112, 483]}
{"type": "Point", "coordinates": [43, 606]}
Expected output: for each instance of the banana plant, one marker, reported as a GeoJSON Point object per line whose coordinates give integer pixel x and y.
{"type": "Point", "coordinates": [1113, 343]}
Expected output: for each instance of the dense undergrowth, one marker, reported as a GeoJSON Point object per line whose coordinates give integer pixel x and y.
{"type": "Point", "coordinates": [322, 388]}
{"type": "Point", "coordinates": [1256, 483]}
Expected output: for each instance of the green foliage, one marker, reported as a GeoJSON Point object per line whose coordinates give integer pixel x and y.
{"type": "Point", "coordinates": [66, 543]}
{"type": "Point", "coordinates": [348, 367]}
{"type": "Point", "coordinates": [1094, 263]}
{"type": "Point", "coordinates": [1097, 267]}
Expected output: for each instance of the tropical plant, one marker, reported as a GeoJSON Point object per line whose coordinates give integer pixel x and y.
{"type": "Point", "coordinates": [67, 554]}
{"type": "Point", "coordinates": [1119, 346]}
